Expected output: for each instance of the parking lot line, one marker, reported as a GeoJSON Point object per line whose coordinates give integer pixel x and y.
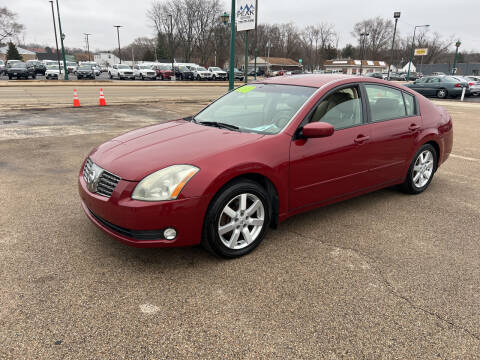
{"type": "Point", "coordinates": [464, 157]}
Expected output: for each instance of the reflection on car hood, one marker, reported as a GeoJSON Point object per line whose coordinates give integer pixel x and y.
{"type": "Point", "coordinates": [138, 153]}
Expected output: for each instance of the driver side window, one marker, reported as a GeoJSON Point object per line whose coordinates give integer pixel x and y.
{"type": "Point", "coordinates": [342, 109]}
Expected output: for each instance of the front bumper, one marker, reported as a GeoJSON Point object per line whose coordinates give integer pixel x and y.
{"type": "Point", "coordinates": [126, 76]}
{"type": "Point", "coordinates": [140, 223]}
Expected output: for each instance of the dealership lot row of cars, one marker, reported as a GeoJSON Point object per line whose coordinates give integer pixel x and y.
{"type": "Point", "coordinates": [87, 69]}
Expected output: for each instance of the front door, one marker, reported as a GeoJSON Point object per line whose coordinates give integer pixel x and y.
{"type": "Point", "coordinates": [323, 169]}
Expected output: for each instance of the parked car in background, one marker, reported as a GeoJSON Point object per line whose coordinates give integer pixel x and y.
{"type": "Point", "coordinates": [474, 83]}
{"type": "Point", "coordinates": [121, 71]}
{"type": "Point", "coordinates": [39, 67]}
{"type": "Point", "coordinates": [2, 67]}
{"type": "Point", "coordinates": [71, 67]}
{"type": "Point", "coordinates": [52, 72]}
{"type": "Point", "coordinates": [183, 73]}
{"type": "Point", "coordinates": [260, 72]}
{"type": "Point", "coordinates": [217, 73]}
{"type": "Point", "coordinates": [263, 153]}
{"type": "Point", "coordinates": [200, 73]}
{"type": "Point", "coordinates": [103, 69]}
{"type": "Point", "coordinates": [13, 61]}
{"type": "Point", "coordinates": [375, 75]}
{"type": "Point", "coordinates": [20, 70]}
{"type": "Point", "coordinates": [238, 75]}
{"type": "Point", "coordinates": [439, 86]}
{"type": "Point", "coordinates": [85, 72]}
{"type": "Point", "coordinates": [144, 72]}
{"type": "Point", "coordinates": [164, 71]}
{"type": "Point", "coordinates": [438, 73]}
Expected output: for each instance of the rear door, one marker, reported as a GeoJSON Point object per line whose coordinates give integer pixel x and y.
{"type": "Point", "coordinates": [395, 125]}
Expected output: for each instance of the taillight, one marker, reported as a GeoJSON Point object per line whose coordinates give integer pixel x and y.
{"type": "Point", "coordinates": [471, 83]}
{"type": "Point", "coordinates": [458, 85]}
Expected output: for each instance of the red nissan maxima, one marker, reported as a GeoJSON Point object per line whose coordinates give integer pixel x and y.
{"type": "Point", "coordinates": [260, 154]}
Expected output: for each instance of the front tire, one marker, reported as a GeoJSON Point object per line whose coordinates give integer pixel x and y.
{"type": "Point", "coordinates": [237, 219]}
{"type": "Point", "coordinates": [442, 94]}
{"type": "Point", "coordinates": [421, 170]}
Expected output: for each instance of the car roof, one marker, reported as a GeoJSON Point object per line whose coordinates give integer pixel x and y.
{"type": "Point", "coordinates": [311, 80]}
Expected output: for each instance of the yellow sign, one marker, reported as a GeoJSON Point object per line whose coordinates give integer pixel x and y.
{"type": "Point", "coordinates": [421, 52]}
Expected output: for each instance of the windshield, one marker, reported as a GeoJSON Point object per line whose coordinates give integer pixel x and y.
{"type": "Point", "coordinates": [216, 69]}
{"type": "Point", "coordinates": [259, 108]}
{"type": "Point", "coordinates": [123, 67]}
{"type": "Point", "coordinates": [144, 67]}
{"type": "Point", "coordinates": [182, 68]}
{"type": "Point", "coordinates": [18, 65]}
{"type": "Point", "coordinates": [52, 67]}
{"type": "Point", "coordinates": [165, 67]}
{"type": "Point", "coordinates": [85, 67]}
{"type": "Point", "coordinates": [201, 69]}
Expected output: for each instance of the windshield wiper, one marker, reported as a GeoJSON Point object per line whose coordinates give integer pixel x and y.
{"type": "Point", "coordinates": [219, 125]}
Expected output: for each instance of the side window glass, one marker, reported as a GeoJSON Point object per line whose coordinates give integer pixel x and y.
{"type": "Point", "coordinates": [410, 104]}
{"type": "Point", "coordinates": [385, 103]}
{"type": "Point", "coordinates": [342, 109]}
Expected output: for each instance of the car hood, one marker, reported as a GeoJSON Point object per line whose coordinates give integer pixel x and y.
{"type": "Point", "coordinates": [138, 153]}
{"type": "Point", "coordinates": [17, 68]}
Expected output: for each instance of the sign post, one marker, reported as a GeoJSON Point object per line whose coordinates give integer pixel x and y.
{"type": "Point", "coordinates": [246, 20]}
{"type": "Point", "coordinates": [421, 52]}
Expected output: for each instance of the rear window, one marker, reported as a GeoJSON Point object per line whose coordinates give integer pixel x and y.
{"type": "Point", "coordinates": [410, 104]}
{"type": "Point", "coordinates": [385, 103]}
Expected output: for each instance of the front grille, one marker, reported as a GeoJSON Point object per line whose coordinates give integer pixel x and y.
{"type": "Point", "coordinates": [106, 180]}
{"type": "Point", "coordinates": [128, 73]}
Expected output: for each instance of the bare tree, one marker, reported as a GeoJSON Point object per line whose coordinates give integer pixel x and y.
{"type": "Point", "coordinates": [380, 34]}
{"type": "Point", "coordinates": [9, 28]}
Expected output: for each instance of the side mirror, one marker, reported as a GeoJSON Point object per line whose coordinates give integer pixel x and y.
{"type": "Point", "coordinates": [318, 130]}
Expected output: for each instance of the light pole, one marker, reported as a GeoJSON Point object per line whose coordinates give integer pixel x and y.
{"type": "Point", "coordinates": [171, 45]}
{"type": "Point", "coordinates": [454, 69]}
{"type": "Point", "coordinates": [88, 45]}
{"type": "Point", "coordinates": [56, 40]}
{"type": "Point", "coordinates": [413, 46]}
{"type": "Point", "coordinates": [118, 38]}
{"type": "Point", "coordinates": [62, 36]}
{"type": "Point", "coordinates": [396, 15]}
{"type": "Point", "coordinates": [268, 58]}
{"type": "Point", "coordinates": [256, 39]}
{"type": "Point", "coordinates": [363, 36]}
{"type": "Point", "coordinates": [231, 71]}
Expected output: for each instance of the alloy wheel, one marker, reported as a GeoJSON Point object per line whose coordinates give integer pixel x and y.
{"type": "Point", "coordinates": [241, 221]}
{"type": "Point", "coordinates": [422, 169]}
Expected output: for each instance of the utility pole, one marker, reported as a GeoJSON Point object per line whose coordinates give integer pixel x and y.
{"type": "Point", "coordinates": [231, 65]}
{"type": "Point", "coordinates": [171, 46]}
{"type": "Point", "coordinates": [62, 36]}
{"type": "Point", "coordinates": [454, 68]}
{"type": "Point", "coordinates": [396, 15]}
{"type": "Point", "coordinates": [88, 45]}
{"type": "Point", "coordinates": [362, 48]}
{"type": "Point", "coordinates": [118, 38]}
{"type": "Point", "coordinates": [56, 40]}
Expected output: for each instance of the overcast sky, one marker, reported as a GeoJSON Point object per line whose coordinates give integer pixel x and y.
{"type": "Point", "coordinates": [447, 17]}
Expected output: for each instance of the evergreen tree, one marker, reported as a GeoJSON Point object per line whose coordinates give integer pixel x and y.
{"type": "Point", "coordinates": [161, 49]}
{"type": "Point", "coordinates": [348, 52]}
{"type": "Point", "coordinates": [12, 53]}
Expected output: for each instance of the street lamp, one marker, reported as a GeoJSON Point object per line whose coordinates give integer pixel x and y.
{"type": "Point", "coordinates": [88, 45]}
{"type": "Point", "coordinates": [62, 37]}
{"type": "Point", "coordinates": [118, 37]}
{"type": "Point", "coordinates": [56, 40]}
{"type": "Point", "coordinates": [362, 49]}
{"type": "Point", "coordinates": [396, 16]}
{"type": "Point", "coordinates": [454, 69]}
{"type": "Point", "coordinates": [413, 45]}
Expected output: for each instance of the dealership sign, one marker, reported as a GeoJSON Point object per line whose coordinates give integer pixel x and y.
{"type": "Point", "coordinates": [245, 15]}
{"type": "Point", "coordinates": [421, 52]}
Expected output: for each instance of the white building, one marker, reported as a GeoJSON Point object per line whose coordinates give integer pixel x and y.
{"type": "Point", "coordinates": [352, 67]}
{"type": "Point", "coordinates": [106, 59]}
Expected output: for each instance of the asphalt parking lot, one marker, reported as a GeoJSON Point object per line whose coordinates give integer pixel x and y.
{"type": "Point", "coordinates": [382, 276]}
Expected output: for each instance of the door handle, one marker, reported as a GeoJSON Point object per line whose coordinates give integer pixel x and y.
{"type": "Point", "coordinates": [413, 127]}
{"type": "Point", "coordinates": [360, 139]}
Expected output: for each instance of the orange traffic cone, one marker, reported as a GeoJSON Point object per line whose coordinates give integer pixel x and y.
{"type": "Point", "coordinates": [102, 101]}
{"type": "Point", "coordinates": [76, 102]}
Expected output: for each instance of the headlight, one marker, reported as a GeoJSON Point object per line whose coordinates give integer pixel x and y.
{"type": "Point", "coordinates": [165, 184]}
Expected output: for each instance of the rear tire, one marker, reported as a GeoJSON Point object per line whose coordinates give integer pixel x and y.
{"type": "Point", "coordinates": [237, 219]}
{"type": "Point", "coordinates": [421, 170]}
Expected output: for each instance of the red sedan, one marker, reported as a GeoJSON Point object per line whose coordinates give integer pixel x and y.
{"type": "Point", "coordinates": [260, 154]}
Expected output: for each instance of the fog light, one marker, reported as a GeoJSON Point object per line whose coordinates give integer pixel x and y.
{"type": "Point", "coordinates": [170, 234]}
